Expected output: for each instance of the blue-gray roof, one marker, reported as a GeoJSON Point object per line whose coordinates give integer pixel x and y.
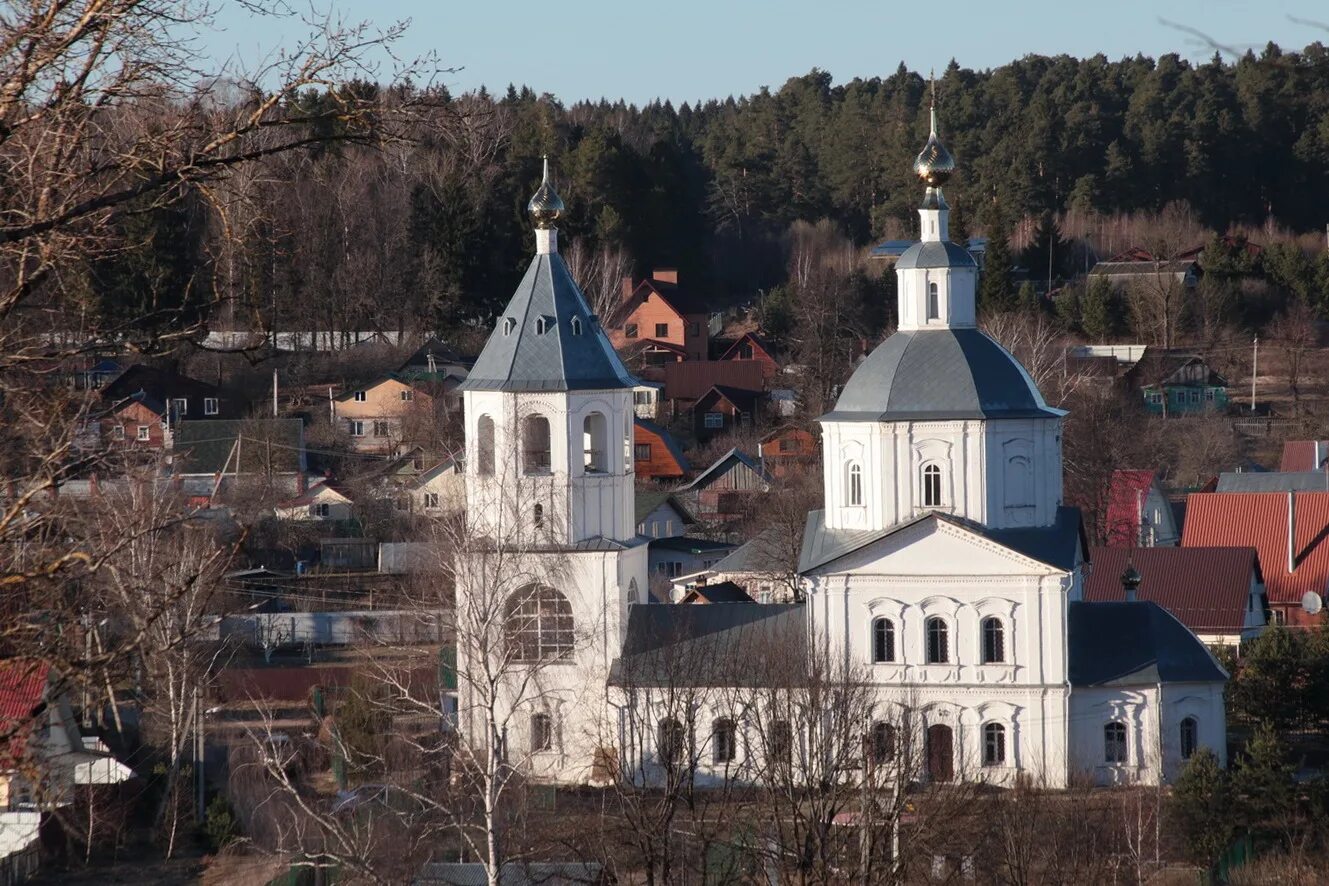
{"type": "Point", "coordinates": [935, 254]}
{"type": "Point", "coordinates": [1135, 644]}
{"type": "Point", "coordinates": [1273, 481]}
{"type": "Point", "coordinates": [932, 374]}
{"type": "Point", "coordinates": [888, 248]}
{"type": "Point", "coordinates": [719, 644]}
{"type": "Point", "coordinates": [542, 351]}
{"type": "Point", "coordinates": [1058, 546]}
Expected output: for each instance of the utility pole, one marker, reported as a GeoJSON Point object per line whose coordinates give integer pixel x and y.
{"type": "Point", "coordinates": [274, 393]}
{"type": "Point", "coordinates": [1255, 368]}
{"type": "Point", "coordinates": [198, 750]}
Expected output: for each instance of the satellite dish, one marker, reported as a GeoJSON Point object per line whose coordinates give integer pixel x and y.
{"type": "Point", "coordinates": [1311, 602]}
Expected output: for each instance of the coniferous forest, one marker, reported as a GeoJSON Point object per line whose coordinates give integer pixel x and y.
{"type": "Point", "coordinates": [428, 231]}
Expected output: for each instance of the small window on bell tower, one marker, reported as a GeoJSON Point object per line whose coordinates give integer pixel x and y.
{"type": "Point", "coordinates": [934, 308]}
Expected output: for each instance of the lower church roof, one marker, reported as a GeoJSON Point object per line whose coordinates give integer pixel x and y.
{"type": "Point", "coordinates": [1134, 644]}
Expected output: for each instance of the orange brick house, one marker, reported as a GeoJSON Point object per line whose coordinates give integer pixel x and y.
{"type": "Point", "coordinates": [657, 310]}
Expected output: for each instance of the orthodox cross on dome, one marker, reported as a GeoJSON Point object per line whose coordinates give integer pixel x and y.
{"type": "Point", "coordinates": [545, 208]}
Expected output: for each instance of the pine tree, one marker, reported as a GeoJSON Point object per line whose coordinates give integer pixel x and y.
{"type": "Point", "coordinates": [1027, 300]}
{"type": "Point", "coordinates": [1268, 687]}
{"type": "Point", "coordinates": [1098, 311]}
{"type": "Point", "coordinates": [996, 293]}
{"type": "Point", "coordinates": [1200, 807]}
{"type": "Point", "coordinates": [1262, 783]}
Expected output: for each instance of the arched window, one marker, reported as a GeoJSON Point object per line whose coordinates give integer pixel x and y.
{"type": "Point", "coordinates": [535, 444]}
{"type": "Point", "coordinates": [994, 745]}
{"type": "Point", "coordinates": [595, 443]}
{"type": "Point", "coordinates": [509, 325]}
{"type": "Point", "coordinates": [781, 743]}
{"type": "Point", "coordinates": [538, 625]}
{"type": "Point", "coordinates": [931, 486]}
{"type": "Point", "coordinates": [934, 308]}
{"type": "Point", "coordinates": [669, 741]}
{"type": "Point", "coordinates": [538, 515]}
{"type": "Point", "coordinates": [994, 641]}
{"type": "Point", "coordinates": [881, 744]}
{"type": "Point", "coordinates": [938, 641]}
{"type": "Point", "coordinates": [484, 446]}
{"type": "Point", "coordinates": [724, 741]}
{"type": "Point", "coordinates": [1019, 482]}
{"type": "Point", "coordinates": [883, 640]}
{"type": "Point", "coordinates": [1190, 737]}
{"type": "Point", "coordinates": [633, 595]}
{"type": "Point", "coordinates": [853, 483]}
{"type": "Point", "coordinates": [1114, 742]}
{"type": "Point", "coordinates": [542, 732]}
{"type": "Point", "coordinates": [576, 325]}
{"type": "Point", "coordinates": [542, 325]}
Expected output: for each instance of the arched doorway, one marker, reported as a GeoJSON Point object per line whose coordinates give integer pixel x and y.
{"type": "Point", "coordinates": [941, 754]}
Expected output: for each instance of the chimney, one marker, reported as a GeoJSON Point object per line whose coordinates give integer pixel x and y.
{"type": "Point", "coordinates": [1291, 532]}
{"type": "Point", "coordinates": [665, 275]}
{"type": "Point", "coordinates": [1130, 583]}
{"type": "Point", "coordinates": [626, 288]}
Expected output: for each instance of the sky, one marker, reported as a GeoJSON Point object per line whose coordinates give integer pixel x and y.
{"type": "Point", "coordinates": [686, 50]}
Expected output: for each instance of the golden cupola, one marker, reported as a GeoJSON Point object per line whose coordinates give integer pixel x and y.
{"type": "Point", "coordinates": [546, 207]}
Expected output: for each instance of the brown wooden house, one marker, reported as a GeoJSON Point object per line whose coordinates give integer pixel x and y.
{"type": "Point", "coordinates": [656, 454]}
{"type": "Point", "coordinates": [751, 346]}
{"type": "Point", "coordinates": [788, 449]}
{"type": "Point", "coordinates": [723, 409]}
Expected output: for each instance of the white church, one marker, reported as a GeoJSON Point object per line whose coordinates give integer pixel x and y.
{"type": "Point", "coordinates": [943, 576]}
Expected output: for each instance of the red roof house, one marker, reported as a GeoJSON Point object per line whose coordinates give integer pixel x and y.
{"type": "Point", "coordinates": [751, 346]}
{"type": "Point", "coordinates": [1216, 592]}
{"type": "Point", "coordinates": [23, 684]}
{"type": "Point", "coordinates": [656, 308]}
{"type": "Point", "coordinates": [1304, 455]}
{"type": "Point", "coordinates": [1290, 531]}
{"type": "Point", "coordinates": [686, 383]}
{"type": "Point", "coordinates": [1138, 511]}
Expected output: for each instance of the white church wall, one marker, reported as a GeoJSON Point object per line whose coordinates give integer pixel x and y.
{"type": "Point", "coordinates": [1152, 715]}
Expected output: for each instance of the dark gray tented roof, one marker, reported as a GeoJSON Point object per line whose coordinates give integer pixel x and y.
{"type": "Point", "coordinates": [556, 359]}
{"type": "Point", "coordinates": [939, 374]}
{"type": "Point", "coordinates": [1134, 644]}
{"type": "Point", "coordinates": [933, 254]}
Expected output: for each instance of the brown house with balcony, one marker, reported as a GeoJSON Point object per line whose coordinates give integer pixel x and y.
{"type": "Point", "coordinates": [661, 320]}
{"type": "Point", "coordinates": [386, 413]}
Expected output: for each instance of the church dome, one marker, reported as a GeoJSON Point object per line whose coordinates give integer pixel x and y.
{"type": "Point", "coordinates": [935, 254]}
{"type": "Point", "coordinates": [934, 163]}
{"type": "Point", "coordinates": [546, 207]}
{"type": "Point", "coordinates": [940, 374]}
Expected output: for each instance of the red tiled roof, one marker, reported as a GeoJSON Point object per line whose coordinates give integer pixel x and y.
{"type": "Point", "coordinates": [1125, 494]}
{"type": "Point", "coordinates": [1303, 455]}
{"type": "Point", "coordinates": [1207, 589]}
{"type": "Point", "coordinates": [691, 379]}
{"type": "Point", "coordinates": [23, 684]}
{"type": "Point", "coordinates": [1259, 519]}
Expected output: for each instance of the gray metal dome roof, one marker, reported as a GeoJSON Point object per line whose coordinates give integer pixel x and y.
{"type": "Point", "coordinates": [935, 374]}
{"type": "Point", "coordinates": [934, 254]}
{"type": "Point", "coordinates": [546, 339]}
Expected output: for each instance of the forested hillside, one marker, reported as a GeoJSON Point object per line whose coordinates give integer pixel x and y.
{"type": "Point", "coordinates": [429, 231]}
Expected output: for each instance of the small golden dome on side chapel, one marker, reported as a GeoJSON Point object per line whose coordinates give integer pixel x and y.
{"type": "Point", "coordinates": [546, 207]}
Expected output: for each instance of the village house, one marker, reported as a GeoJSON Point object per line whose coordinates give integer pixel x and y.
{"type": "Point", "coordinates": [182, 398]}
{"type": "Point", "coordinates": [725, 491]}
{"type": "Point", "coordinates": [325, 502]}
{"type": "Point", "coordinates": [1304, 455]}
{"type": "Point", "coordinates": [750, 346]}
{"type": "Point", "coordinates": [1138, 511]}
{"type": "Point", "coordinates": [676, 557]}
{"type": "Point", "coordinates": [721, 592]}
{"type": "Point", "coordinates": [1216, 592]}
{"type": "Point", "coordinates": [788, 450]}
{"type": "Point", "coordinates": [257, 456]}
{"type": "Point", "coordinates": [661, 515]}
{"type": "Point", "coordinates": [658, 312]}
{"type": "Point", "coordinates": [1289, 531]}
{"type": "Point", "coordinates": [656, 453]}
{"type": "Point", "coordinates": [387, 413]}
{"type": "Point", "coordinates": [1176, 383]}
{"type": "Point", "coordinates": [1139, 267]}
{"type": "Point", "coordinates": [646, 399]}
{"type": "Point", "coordinates": [723, 410]}
{"type": "Point", "coordinates": [686, 383]}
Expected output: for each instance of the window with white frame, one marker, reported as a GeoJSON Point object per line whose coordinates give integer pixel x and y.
{"type": "Point", "coordinates": [714, 420]}
{"type": "Point", "coordinates": [361, 396]}
{"type": "Point", "coordinates": [380, 428]}
{"type": "Point", "coordinates": [994, 641]}
{"type": "Point", "coordinates": [210, 406]}
{"type": "Point", "coordinates": [883, 640]}
{"type": "Point", "coordinates": [853, 484]}
{"type": "Point", "coordinates": [724, 741]}
{"type": "Point", "coordinates": [938, 640]}
{"type": "Point", "coordinates": [539, 625]}
{"type": "Point", "coordinates": [357, 428]}
{"type": "Point", "coordinates": [670, 742]}
{"type": "Point", "coordinates": [1190, 737]}
{"type": "Point", "coordinates": [994, 744]}
{"type": "Point", "coordinates": [407, 395]}
{"type": "Point", "coordinates": [431, 501]}
{"type": "Point", "coordinates": [181, 406]}
{"type": "Point", "coordinates": [144, 433]}
{"type": "Point", "coordinates": [319, 509]}
{"type": "Point", "coordinates": [118, 432]}
{"type": "Point", "coordinates": [542, 732]}
{"type": "Point", "coordinates": [934, 307]}
{"type": "Point", "coordinates": [931, 486]}
{"type": "Point", "coordinates": [1114, 742]}
{"type": "Point", "coordinates": [641, 452]}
